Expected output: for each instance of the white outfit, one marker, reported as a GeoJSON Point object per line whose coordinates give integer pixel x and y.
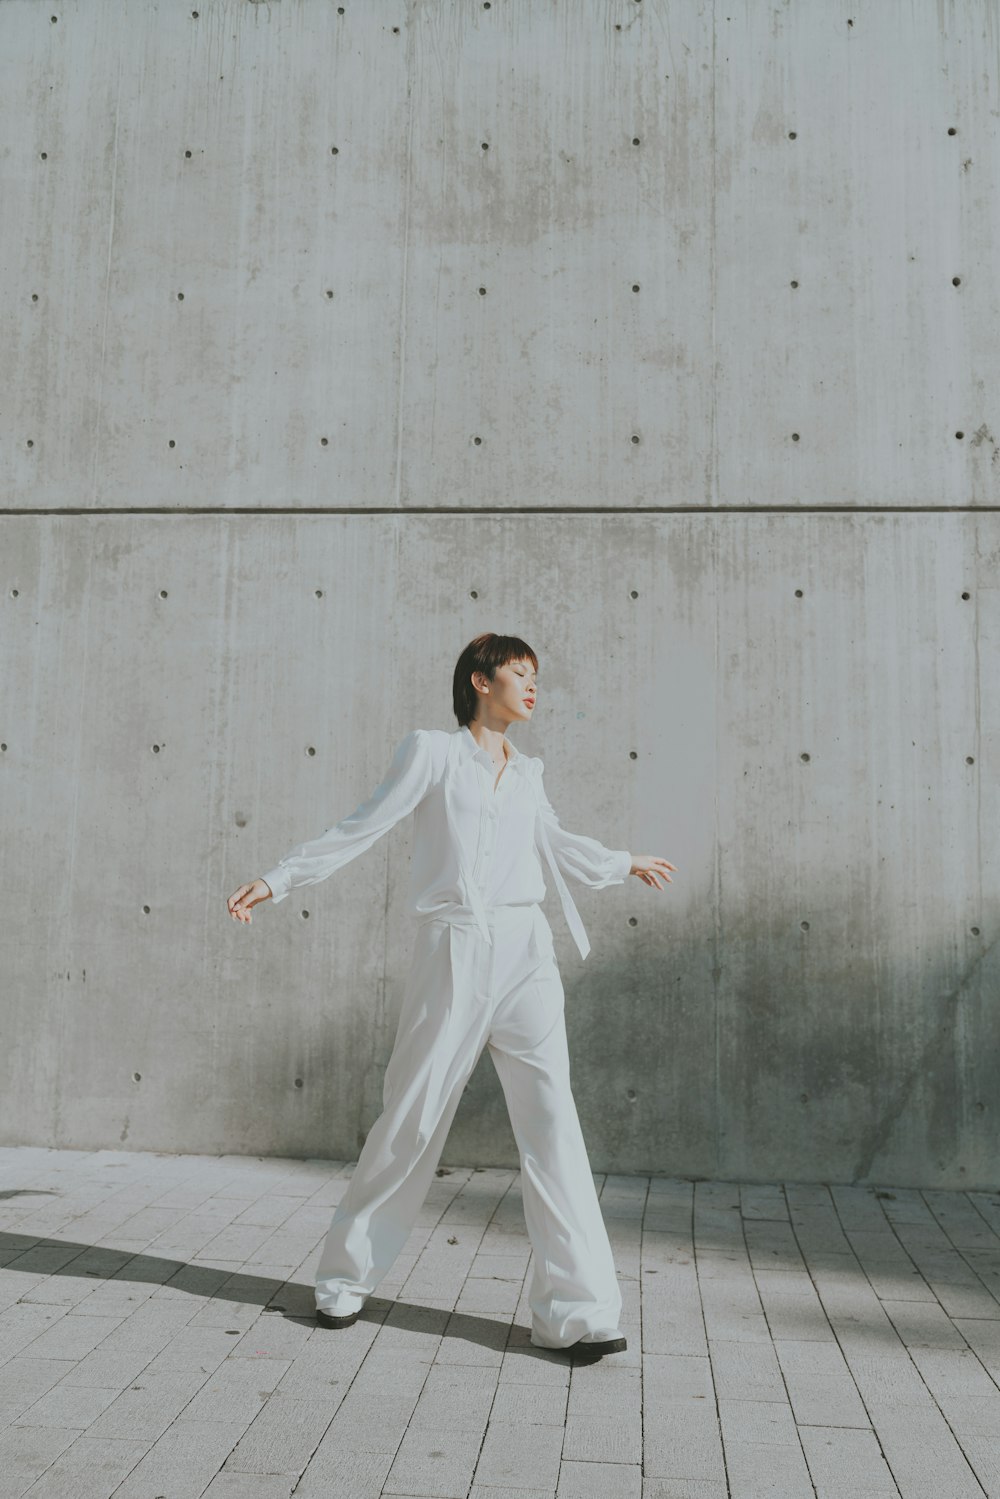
{"type": "Point", "coordinates": [483, 973]}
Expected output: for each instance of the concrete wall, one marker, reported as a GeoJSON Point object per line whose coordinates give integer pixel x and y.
{"type": "Point", "coordinates": [690, 378]}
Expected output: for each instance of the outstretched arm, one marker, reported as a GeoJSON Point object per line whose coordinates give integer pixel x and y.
{"type": "Point", "coordinates": [406, 782]}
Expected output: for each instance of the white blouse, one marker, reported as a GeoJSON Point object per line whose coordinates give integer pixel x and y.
{"type": "Point", "coordinates": [474, 847]}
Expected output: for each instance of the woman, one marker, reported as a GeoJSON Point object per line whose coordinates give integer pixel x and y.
{"type": "Point", "coordinates": [483, 973]}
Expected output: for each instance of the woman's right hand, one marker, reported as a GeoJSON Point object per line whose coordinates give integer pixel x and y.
{"type": "Point", "coordinates": [245, 898]}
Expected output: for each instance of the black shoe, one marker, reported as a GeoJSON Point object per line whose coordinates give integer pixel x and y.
{"type": "Point", "coordinates": [595, 1345]}
{"type": "Point", "coordinates": [327, 1319]}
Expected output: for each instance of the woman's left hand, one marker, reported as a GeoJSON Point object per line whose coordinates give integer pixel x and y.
{"type": "Point", "coordinates": [652, 869]}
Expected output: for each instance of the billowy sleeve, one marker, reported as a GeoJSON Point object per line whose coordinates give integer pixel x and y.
{"type": "Point", "coordinates": [406, 782]}
{"type": "Point", "coordinates": [584, 858]}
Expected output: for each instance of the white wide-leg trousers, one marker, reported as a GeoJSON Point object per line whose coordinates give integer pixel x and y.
{"type": "Point", "coordinates": [463, 994]}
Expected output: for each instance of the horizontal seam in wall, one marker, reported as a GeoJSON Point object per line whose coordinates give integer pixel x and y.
{"type": "Point", "coordinates": [619, 513]}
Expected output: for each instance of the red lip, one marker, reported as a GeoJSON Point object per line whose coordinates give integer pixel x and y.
{"type": "Point", "coordinates": [529, 702]}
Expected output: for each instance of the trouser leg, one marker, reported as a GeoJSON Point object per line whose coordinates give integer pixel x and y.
{"type": "Point", "coordinates": [442, 1029]}
{"type": "Point", "coordinates": [574, 1287]}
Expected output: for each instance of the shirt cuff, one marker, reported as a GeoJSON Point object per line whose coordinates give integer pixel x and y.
{"type": "Point", "coordinates": [278, 881]}
{"type": "Point", "coordinates": [624, 866]}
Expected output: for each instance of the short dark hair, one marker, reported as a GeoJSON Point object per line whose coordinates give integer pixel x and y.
{"type": "Point", "coordinates": [486, 654]}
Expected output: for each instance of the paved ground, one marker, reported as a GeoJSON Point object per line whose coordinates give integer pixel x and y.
{"type": "Point", "coordinates": [157, 1339]}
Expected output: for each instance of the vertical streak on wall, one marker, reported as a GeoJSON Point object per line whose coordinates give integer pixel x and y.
{"type": "Point", "coordinates": [406, 248]}
{"type": "Point", "coordinates": [714, 470]}
{"type": "Point", "coordinates": [107, 286]}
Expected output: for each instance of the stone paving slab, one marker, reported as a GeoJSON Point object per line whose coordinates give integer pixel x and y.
{"type": "Point", "coordinates": [158, 1341]}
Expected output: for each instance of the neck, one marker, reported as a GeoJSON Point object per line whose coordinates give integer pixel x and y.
{"type": "Point", "coordinates": [493, 740]}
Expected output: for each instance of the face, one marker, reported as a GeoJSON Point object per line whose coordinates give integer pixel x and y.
{"type": "Point", "coordinates": [512, 692]}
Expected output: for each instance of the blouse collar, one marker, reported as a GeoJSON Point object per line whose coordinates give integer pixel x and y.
{"type": "Point", "coordinates": [470, 747]}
